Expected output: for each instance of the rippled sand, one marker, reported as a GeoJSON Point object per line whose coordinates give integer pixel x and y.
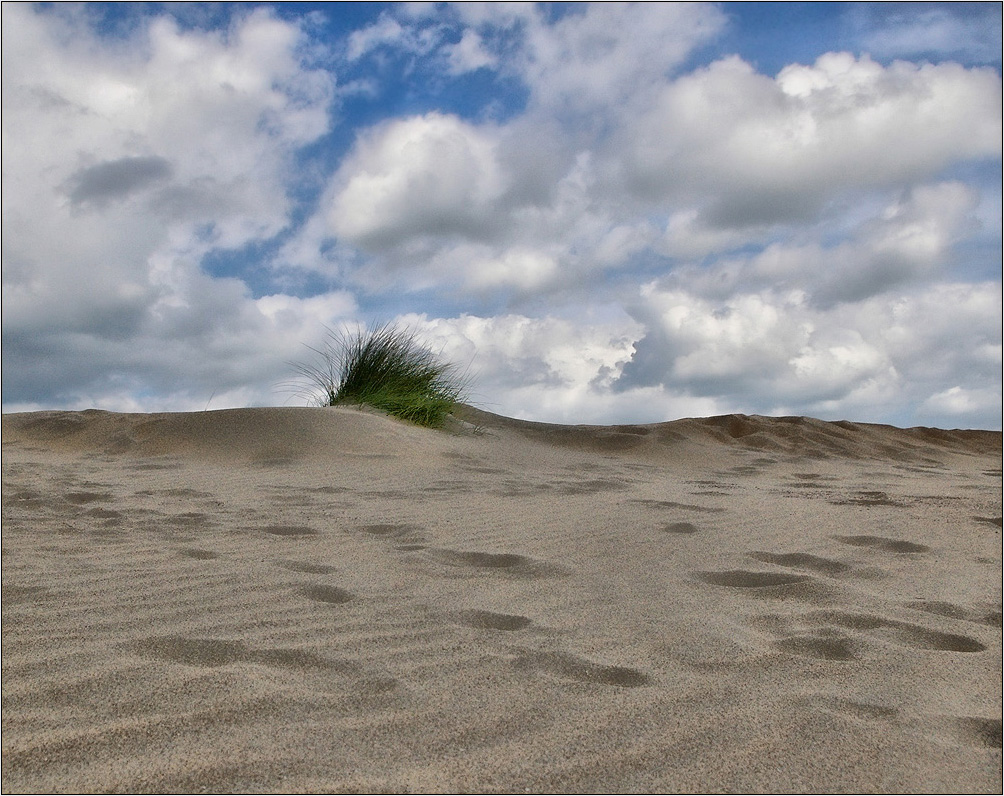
{"type": "Point", "coordinates": [330, 600]}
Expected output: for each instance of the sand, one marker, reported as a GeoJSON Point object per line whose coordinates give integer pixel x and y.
{"type": "Point", "coordinates": [330, 600]}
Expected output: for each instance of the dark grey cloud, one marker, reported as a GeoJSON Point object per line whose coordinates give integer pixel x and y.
{"type": "Point", "coordinates": [117, 179]}
{"type": "Point", "coordinates": [758, 207]}
{"type": "Point", "coordinates": [857, 281]}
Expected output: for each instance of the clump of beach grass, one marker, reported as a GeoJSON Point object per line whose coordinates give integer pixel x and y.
{"type": "Point", "coordinates": [387, 368]}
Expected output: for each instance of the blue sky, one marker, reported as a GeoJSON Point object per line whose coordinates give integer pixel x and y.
{"type": "Point", "coordinates": [607, 212]}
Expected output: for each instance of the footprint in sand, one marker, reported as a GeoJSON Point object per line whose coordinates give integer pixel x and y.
{"type": "Point", "coordinates": [194, 651]}
{"type": "Point", "coordinates": [289, 530]}
{"type": "Point", "coordinates": [81, 498]}
{"type": "Point", "coordinates": [23, 498]}
{"type": "Point", "coordinates": [868, 498]}
{"type": "Point", "coordinates": [488, 620]}
{"type": "Point", "coordinates": [980, 616]}
{"type": "Point", "coordinates": [211, 652]}
{"type": "Point", "coordinates": [824, 566]}
{"type": "Point", "coordinates": [326, 594]}
{"type": "Point", "coordinates": [980, 732]}
{"type": "Point", "coordinates": [771, 585]}
{"type": "Point", "coordinates": [407, 537]}
{"type": "Point", "coordinates": [680, 527]}
{"type": "Point", "coordinates": [387, 530]}
{"type": "Point", "coordinates": [509, 564]}
{"type": "Point", "coordinates": [744, 579]}
{"type": "Point", "coordinates": [572, 667]}
{"type": "Point", "coordinates": [830, 640]}
{"type": "Point", "coordinates": [828, 646]}
{"type": "Point", "coordinates": [480, 560]}
{"type": "Point", "coordinates": [901, 633]}
{"type": "Point", "coordinates": [884, 544]}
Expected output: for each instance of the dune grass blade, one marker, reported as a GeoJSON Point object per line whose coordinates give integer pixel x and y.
{"type": "Point", "coordinates": [386, 368]}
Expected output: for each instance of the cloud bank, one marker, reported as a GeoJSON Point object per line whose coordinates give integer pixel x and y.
{"type": "Point", "coordinates": [603, 217]}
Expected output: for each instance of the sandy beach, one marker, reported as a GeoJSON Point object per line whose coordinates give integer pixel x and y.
{"type": "Point", "coordinates": [330, 600]}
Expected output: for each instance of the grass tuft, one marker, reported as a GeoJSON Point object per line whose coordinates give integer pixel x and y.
{"type": "Point", "coordinates": [388, 369]}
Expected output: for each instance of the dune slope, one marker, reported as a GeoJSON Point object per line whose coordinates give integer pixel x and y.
{"type": "Point", "coordinates": [329, 600]}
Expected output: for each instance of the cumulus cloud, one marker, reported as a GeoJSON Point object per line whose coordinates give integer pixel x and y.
{"type": "Point", "coordinates": [770, 351]}
{"type": "Point", "coordinates": [815, 192]}
{"type": "Point", "coordinates": [752, 150]}
{"type": "Point", "coordinates": [123, 166]}
{"type": "Point", "coordinates": [554, 369]}
{"type": "Point", "coordinates": [963, 405]}
{"type": "Point", "coordinates": [428, 175]}
{"type": "Point", "coordinates": [902, 243]}
{"type": "Point", "coordinates": [626, 237]}
{"type": "Point", "coordinates": [723, 155]}
{"type": "Point", "coordinates": [611, 52]}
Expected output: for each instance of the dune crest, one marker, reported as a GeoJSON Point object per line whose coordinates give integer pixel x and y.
{"type": "Point", "coordinates": [330, 600]}
{"type": "Point", "coordinates": [300, 431]}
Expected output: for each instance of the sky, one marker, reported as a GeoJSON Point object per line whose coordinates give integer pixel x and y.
{"type": "Point", "coordinates": [601, 213]}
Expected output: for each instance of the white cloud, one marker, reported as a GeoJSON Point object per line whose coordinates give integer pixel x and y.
{"type": "Point", "coordinates": [967, 30]}
{"type": "Point", "coordinates": [483, 15]}
{"type": "Point", "coordinates": [524, 269]}
{"type": "Point", "coordinates": [546, 368]}
{"type": "Point", "coordinates": [426, 175]}
{"type": "Point", "coordinates": [123, 166]}
{"type": "Point", "coordinates": [554, 369]}
{"type": "Point", "coordinates": [469, 54]}
{"type": "Point", "coordinates": [904, 242]}
{"type": "Point", "coordinates": [637, 243]}
{"type": "Point", "coordinates": [389, 35]}
{"type": "Point", "coordinates": [963, 404]}
{"type": "Point", "coordinates": [770, 350]}
{"type": "Point", "coordinates": [747, 339]}
{"type": "Point", "coordinates": [907, 243]}
{"type": "Point", "coordinates": [754, 150]}
{"type": "Point", "coordinates": [611, 52]}
{"type": "Point", "coordinates": [386, 31]}
{"type": "Point", "coordinates": [724, 156]}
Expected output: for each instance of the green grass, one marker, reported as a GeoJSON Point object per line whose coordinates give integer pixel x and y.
{"type": "Point", "coordinates": [388, 369]}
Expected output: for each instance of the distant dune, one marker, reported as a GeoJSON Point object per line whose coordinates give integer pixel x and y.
{"type": "Point", "coordinates": [330, 600]}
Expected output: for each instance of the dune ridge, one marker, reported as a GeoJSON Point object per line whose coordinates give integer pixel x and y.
{"type": "Point", "coordinates": [308, 430]}
{"type": "Point", "coordinates": [330, 600]}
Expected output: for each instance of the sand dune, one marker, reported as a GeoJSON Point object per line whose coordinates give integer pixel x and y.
{"type": "Point", "coordinates": [328, 600]}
